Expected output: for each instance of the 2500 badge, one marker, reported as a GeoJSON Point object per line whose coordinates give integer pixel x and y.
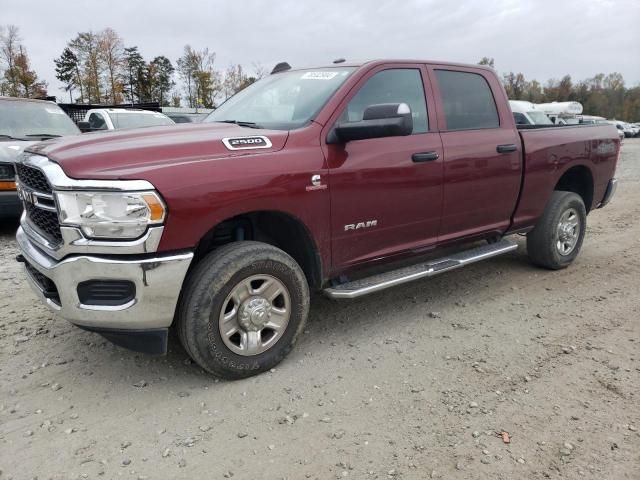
{"type": "Point", "coordinates": [245, 143]}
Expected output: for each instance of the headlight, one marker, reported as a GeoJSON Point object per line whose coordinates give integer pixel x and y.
{"type": "Point", "coordinates": [113, 215]}
{"type": "Point", "coordinates": [6, 173]}
{"type": "Point", "coordinates": [7, 177]}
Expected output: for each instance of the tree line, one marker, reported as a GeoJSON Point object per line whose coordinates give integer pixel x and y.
{"type": "Point", "coordinates": [100, 68]}
{"type": "Point", "coordinates": [97, 67]}
{"type": "Point", "coordinates": [602, 95]}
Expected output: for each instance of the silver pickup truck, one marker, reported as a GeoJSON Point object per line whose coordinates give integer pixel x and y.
{"type": "Point", "coordinates": [24, 122]}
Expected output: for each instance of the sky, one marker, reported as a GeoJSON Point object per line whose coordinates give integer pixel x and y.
{"type": "Point", "coordinates": [541, 38]}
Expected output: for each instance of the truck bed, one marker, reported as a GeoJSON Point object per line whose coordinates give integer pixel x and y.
{"type": "Point", "coordinates": [549, 152]}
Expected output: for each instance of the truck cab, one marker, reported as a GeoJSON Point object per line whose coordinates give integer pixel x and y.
{"type": "Point", "coordinates": [98, 119]}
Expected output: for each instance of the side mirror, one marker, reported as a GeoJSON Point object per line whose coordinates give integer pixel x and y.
{"type": "Point", "coordinates": [382, 120]}
{"type": "Point", "coordinates": [84, 127]}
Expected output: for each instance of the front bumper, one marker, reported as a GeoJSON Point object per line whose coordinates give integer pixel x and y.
{"type": "Point", "coordinates": [158, 280]}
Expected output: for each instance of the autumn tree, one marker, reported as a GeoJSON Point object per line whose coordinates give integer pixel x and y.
{"type": "Point", "coordinates": [29, 84]}
{"type": "Point", "coordinates": [9, 48]}
{"type": "Point", "coordinates": [176, 99]}
{"type": "Point", "coordinates": [533, 92]}
{"type": "Point", "coordinates": [86, 47]}
{"type": "Point", "coordinates": [208, 85]}
{"type": "Point", "coordinates": [111, 51]}
{"type": "Point", "coordinates": [631, 106]}
{"type": "Point", "coordinates": [201, 82]}
{"type": "Point", "coordinates": [187, 68]}
{"type": "Point", "coordinates": [20, 80]}
{"type": "Point", "coordinates": [234, 80]}
{"type": "Point", "coordinates": [615, 93]}
{"type": "Point", "coordinates": [514, 84]}
{"type": "Point", "coordinates": [565, 89]}
{"type": "Point", "coordinates": [489, 61]}
{"type": "Point", "coordinates": [258, 72]}
{"type": "Point", "coordinates": [559, 90]}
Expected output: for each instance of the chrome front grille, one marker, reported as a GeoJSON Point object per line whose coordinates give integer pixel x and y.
{"type": "Point", "coordinates": [46, 221]}
{"type": "Point", "coordinates": [39, 204]}
{"type": "Point", "coordinates": [33, 178]}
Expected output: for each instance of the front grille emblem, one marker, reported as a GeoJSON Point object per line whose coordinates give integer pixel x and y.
{"type": "Point", "coordinates": [25, 195]}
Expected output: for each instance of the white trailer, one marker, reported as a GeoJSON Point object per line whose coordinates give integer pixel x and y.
{"type": "Point", "coordinates": [561, 112]}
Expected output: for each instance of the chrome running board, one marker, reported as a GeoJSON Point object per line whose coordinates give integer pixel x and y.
{"type": "Point", "coordinates": [375, 283]}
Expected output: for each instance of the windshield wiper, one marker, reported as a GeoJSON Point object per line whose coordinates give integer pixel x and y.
{"type": "Point", "coordinates": [241, 123]}
{"type": "Point", "coordinates": [9, 137]}
{"type": "Point", "coordinates": [44, 135]}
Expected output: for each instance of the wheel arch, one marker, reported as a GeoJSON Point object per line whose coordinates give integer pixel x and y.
{"type": "Point", "coordinates": [274, 227]}
{"type": "Point", "coordinates": [578, 179]}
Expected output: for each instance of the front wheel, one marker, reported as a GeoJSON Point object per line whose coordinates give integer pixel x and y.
{"type": "Point", "coordinates": [555, 241]}
{"type": "Point", "coordinates": [242, 309]}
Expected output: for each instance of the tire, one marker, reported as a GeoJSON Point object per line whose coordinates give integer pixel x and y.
{"type": "Point", "coordinates": [228, 280]}
{"type": "Point", "coordinates": [548, 245]}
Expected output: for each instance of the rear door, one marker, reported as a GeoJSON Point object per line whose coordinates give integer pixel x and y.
{"type": "Point", "coordinates": [385, 197]}
{"type": "Point", "coordinates": [482, 163]}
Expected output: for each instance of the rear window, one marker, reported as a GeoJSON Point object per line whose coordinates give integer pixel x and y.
{"type": "Point", "coordinates": [467, 100]}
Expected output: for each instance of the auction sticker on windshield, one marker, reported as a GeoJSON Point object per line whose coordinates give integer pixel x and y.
{"type": "Point", "coordinates": [318, 75]}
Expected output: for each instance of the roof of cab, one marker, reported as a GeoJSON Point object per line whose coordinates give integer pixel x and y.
{"type": "Point", "coordinates": [126, 110]}
{"type": "Point", "coordinates": [376, 62]}
{"type": "Point", "coordinates": [18, 99]}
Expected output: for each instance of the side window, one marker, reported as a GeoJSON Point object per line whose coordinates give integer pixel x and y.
{"type": "Point", "coordinates": [467, 100]}
{"type": "Point", "coordinates": [96, 121]}
{"type": "Point", "coordinates": [391, 86]}
{"type": "Point", "coordinates": [520, 118]}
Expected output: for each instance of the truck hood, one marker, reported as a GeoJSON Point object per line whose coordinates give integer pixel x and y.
{"type": "Point", "coordinates": [9, 151]}
{"type": "Point", "coordinates": [127, 154]}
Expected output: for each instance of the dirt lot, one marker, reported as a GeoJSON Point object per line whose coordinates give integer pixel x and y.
{"type": "Point", "coordinates": [411, 383]}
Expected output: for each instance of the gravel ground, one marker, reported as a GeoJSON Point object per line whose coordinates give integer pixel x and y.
{"type": "Point", "coordinates": [412, 383]}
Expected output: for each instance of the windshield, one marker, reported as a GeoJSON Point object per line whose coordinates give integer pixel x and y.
{"type": "Point", "coordinates": [539, 118]}
{"type": "Point", "coordinates": [282, 101]}
{"type": "Point", "coordinates": [33, 120]}
{"type": "Point", "coordinates": [137, 119]}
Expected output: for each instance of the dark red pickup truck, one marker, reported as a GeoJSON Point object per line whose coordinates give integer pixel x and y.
{"type": "Point", "coordinates": [345, 179]}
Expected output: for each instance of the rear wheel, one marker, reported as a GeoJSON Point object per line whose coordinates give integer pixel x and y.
{"type": "Point", "coordinates": [242, 310]}
{"type": "Point", "coordinates": [556, 240]}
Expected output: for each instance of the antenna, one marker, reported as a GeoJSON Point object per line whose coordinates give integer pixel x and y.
{"type": "Point", "coordinates": [281, 67]}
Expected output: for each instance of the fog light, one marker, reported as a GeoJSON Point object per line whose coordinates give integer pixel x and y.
{"type": "Point", "coordinates": [108, 293]}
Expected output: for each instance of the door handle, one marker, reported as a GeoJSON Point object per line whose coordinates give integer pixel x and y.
{"type": "Point", "coordinates": [508, 148]}
{"type": "Point", "coordinates": [425, 157]}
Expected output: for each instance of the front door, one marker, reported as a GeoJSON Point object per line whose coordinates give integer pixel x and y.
{"type": "Point", "coordinates": [386, 193]}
